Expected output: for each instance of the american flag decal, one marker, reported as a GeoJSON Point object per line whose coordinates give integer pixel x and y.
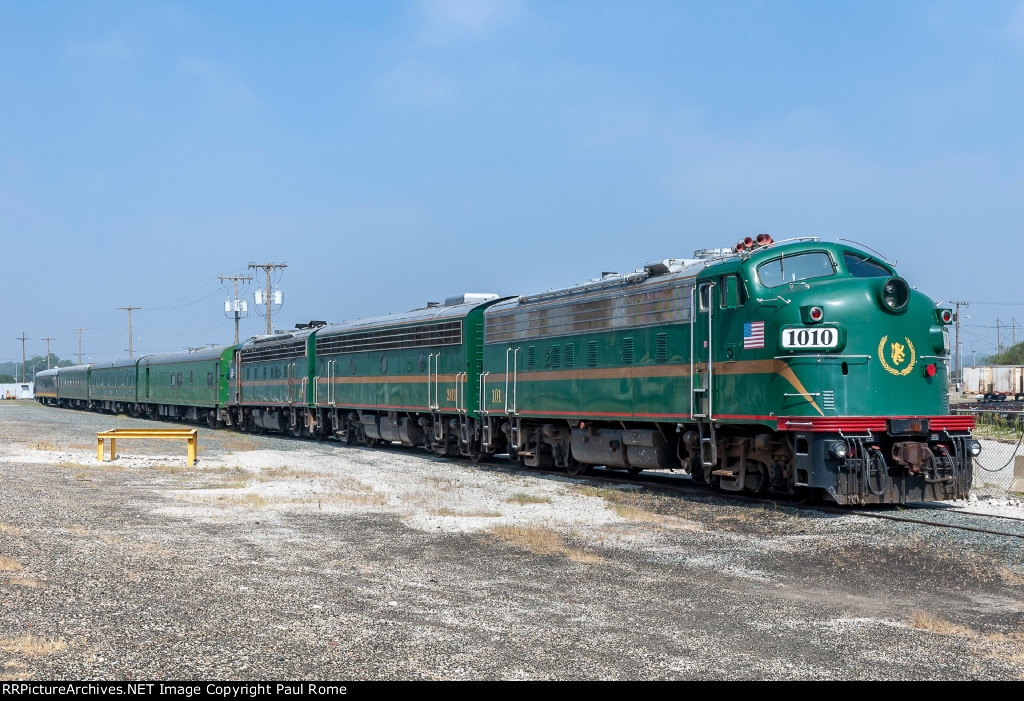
{"type": "Point", "coordinates": [753, 334]}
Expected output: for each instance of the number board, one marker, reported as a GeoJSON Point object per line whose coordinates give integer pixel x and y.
{"type": "Point", "coordinates": [826, 337]}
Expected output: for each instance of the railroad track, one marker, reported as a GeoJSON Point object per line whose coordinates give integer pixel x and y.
{"type": "Point", "coordinates": [670, 484]}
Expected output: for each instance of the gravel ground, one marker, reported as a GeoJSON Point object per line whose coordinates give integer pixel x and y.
{"type": "Point", "coordinates": [278, 558]}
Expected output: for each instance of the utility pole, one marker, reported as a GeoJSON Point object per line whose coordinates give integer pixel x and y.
{"type": "Point", "coordinates": [268, 267]}
{"type": "Point", "coordinates": [234, 300]}
{"type": "Point", "coordinates": [959, 367]}
{"type": "Point", "coordinates": [48, 351]}
{"type": "Point", "coordinates": [999, 339]}
{"type": "Point", "coordinates": [79, 344]}
{"type": "Point", "coordinates": [23, 338]}
{"type": "Point", "coordinates": [129, 310]}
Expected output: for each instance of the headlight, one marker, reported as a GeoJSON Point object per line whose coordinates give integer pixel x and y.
{"type": "Point", "coordinates": [895, 294]}
{"type": "Point", "coordinates": [974, 447]}
{"type": "Point", "coordinates": [838, 450]}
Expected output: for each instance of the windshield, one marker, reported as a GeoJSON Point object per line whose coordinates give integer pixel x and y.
{"type": "Point", "coordinates": [860, 265]}
{"type": "Point", "coordinates": [802, 266]}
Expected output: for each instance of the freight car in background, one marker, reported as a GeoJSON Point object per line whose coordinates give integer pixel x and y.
{"type": "Point", "coordinates": [791, 367]}
{"type": "Point", "coordinates": [995, 382]}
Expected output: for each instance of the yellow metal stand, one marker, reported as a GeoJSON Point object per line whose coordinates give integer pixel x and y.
{"type": "Point", "coordinates": [112, 435]}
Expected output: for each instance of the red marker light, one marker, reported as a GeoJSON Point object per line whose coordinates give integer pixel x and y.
{"type": "Point", "coordinates": [817, 313]}
{"type": "Point", "coordinates": [929, 370]}
{"type": "Point", "coordinates": [947, 316]}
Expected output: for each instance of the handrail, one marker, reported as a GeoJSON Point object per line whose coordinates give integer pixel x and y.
{"type": "Point", "coordinates": [331, 369]}
{"type": "Point", "coordinates": [693, 317]}
{"type": "Point", "coordinates": [819, 356]}
{"type": "Point", "coordinates": [711, 352]}
{"type": "Point", "coordinates": [515, 381]}
{"type": "Point", "coordinates": [507, 351]}
{"type": "Point", "coordinates": [430, 359]}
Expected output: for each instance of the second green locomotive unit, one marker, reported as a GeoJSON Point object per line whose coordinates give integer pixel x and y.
{"type": "Point", "coordinates": [798, 367]}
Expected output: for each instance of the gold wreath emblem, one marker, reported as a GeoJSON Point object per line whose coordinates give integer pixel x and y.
{"type": "Point", "coordinates": [898, 353]}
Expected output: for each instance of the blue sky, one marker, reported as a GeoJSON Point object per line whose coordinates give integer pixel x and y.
{"type": "Point", "coordinates": [398, 152]}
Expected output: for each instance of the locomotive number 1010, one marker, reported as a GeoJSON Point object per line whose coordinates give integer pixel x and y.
{"type": "Point", "coordinates": [824, 337]}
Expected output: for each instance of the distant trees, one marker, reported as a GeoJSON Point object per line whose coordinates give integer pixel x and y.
{"type": "Point", "coordinates": [32, 366]}
{"type": "Point", "coordinates": [1014, 355]}
{"type": "Point", "coordinates": [5, 378]}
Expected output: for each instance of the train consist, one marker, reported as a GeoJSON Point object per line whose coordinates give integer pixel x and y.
{"type": "Point", "coordinates": [786, 367]}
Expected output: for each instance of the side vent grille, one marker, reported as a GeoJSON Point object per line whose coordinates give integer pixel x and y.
{"type": "Point", "coordinates": [531, 357]}
{"type": "Point", "coordinates": [661, 348]}
{"type": "Point", "coordinates": [570, 355]}
{"type": "Point", "coordinates": [556, 356]}
{"type": "Point", "coordinates": [627, 350]}
{"type": "Point", "coordinates": [592, 354]}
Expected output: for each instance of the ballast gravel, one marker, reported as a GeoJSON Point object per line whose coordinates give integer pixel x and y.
{"type": "Point", "coordinates": [282, 558]}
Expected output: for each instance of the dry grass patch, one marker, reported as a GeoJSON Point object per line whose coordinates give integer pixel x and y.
{"type": "Point", "coordinates": [27, 582]}
{"type": "Point", "coordinates": [288, 473]}
{"type": "Point", "coordinates": [616, 495]}
{"type": "Point", "coordinates": [77, 530]}
{"type": "Point", "coordinates": [9, 564]}
{"type": "Point", "coordinates": [542, 542]}
{"type": "Point", "coordinates": [524, 499]}
{"type": "Point", "coordinates": [31, 646]}
{"type": "Point", "coordinates": [363, 499]}
{"type": "Point", "coordinates": [925, 557]}
{"type": "Point", "coordinates": [231, 484]}
{"type": "Point", "coordinates": [146, 548]}
{"type": "Point", "coordinates": [632, 513]}
{"type": "Point", "coordinates": [352, 485]}
{"type": "Point", "coordinates": [234, 443]}
{"type": "Point", "coordinates": [9, 530]}
{"type": "Point", "coordinates": [43, 445]}
{"type": "Point", "coordinates": [445, 511]}
{"type": "Point", "coordinates": [253, 500]}
{"type": "Point", "coordinates": [934, 624]}
{"type": "Point", "coordinates": [173, 469]}
{"type": "Point", "coordinates": [1008, 576]}
{"type": "Point", "coordinates": [1008, 647]}
{"type": "Point", "coordinates": [443, 484]}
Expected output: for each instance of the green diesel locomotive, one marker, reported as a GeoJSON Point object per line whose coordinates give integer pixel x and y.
{"type": "Point", "coordinates": [785, 367]}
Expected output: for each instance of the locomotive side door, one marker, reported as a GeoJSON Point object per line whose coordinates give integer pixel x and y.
{"type": "Point", "coordinates": [701, 344]}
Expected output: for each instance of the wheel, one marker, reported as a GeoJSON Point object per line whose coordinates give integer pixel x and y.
{"type": "Point", "coordinates": [577, 469]}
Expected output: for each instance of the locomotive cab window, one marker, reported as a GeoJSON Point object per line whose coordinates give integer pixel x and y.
{"type": "Point", "coordinates": [802, 266]}
{"type": "Point", "coordinates": [704, 295]}
{"type": "Point", "coordinates": [861, 266]}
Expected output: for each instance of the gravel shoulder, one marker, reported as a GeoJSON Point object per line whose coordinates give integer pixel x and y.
{"type": "Point", "coordinates": [279, 558]}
